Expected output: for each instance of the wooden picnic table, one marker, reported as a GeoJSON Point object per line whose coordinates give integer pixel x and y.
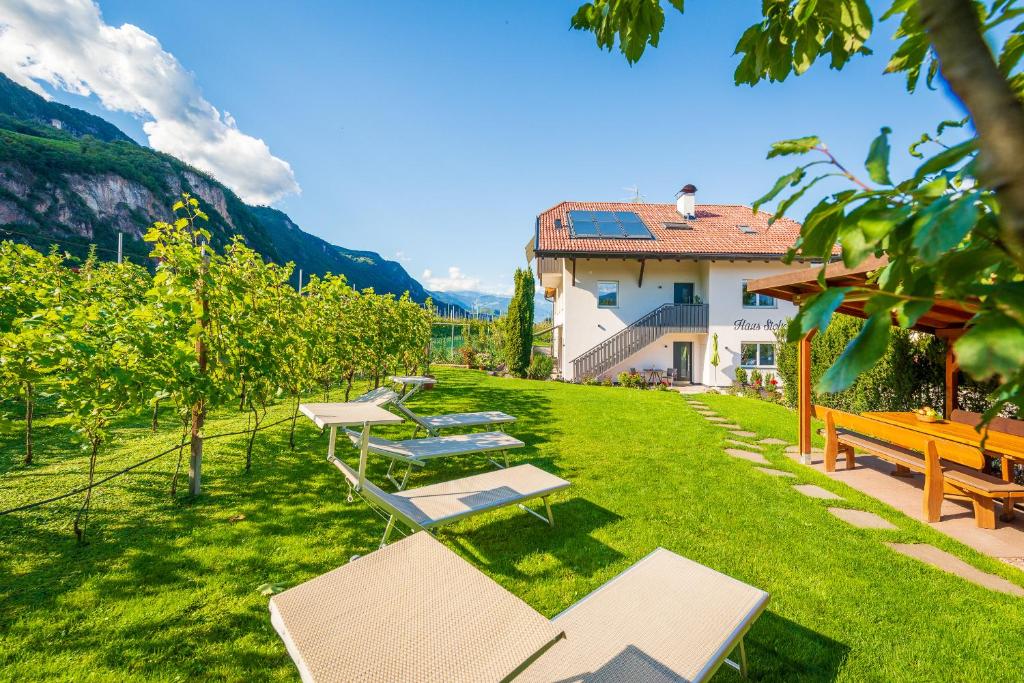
{"type": "Point", "coordinates": [1010, 448]}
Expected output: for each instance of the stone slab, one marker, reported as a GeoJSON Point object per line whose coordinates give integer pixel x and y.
{"type": "Point", "coordinates": [813, 491]}
{"type": "Point", "coordinates": [940, 559]}
{"type": "Point", "coordinates": [714, 418]}
{"type": "Point", "coordinates": [743, 444]}
{"type": "Point", "coordinates": [771, 440]}
{"type": "Point", "coordinates": [862, 519]}
{"type": "Point", "coordinates": [774, 473]}
{"type": "Point", "coordinates": [748, 455]}
{"type": "Point", "coordinates": [728, 425]}
{"type": "Point", "coordinates": [740, 432]}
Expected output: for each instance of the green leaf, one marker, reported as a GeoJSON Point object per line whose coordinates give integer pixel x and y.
{"type": "Point", "coordinates": [993, 345]}
{"type": "Point", "coordinates": [877, 162]}
{"type": "Point", "coordinates": [860, 354]}
{"type": "Point", "coordinates": [939, 232]}
{"type": "Point", "coordinates": [945, 159]}
{"type": "Point", "coordinates": [789, 179]}
{"type": "Point", "coordinates": [794, 146]}
{"type": "Point", "coordinates": [816, 312]}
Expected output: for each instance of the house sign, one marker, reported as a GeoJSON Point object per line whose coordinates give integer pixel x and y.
{"type": "Point", "coordinates": [745, 325]}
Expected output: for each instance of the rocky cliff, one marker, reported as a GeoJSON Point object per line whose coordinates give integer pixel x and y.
{"type": "Point", "coordinates": [70, 178]}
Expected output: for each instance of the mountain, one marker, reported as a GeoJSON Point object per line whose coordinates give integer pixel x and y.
{"type": "Point", "coordinates": [71, 178]}
{"type": "Point", "coordinates": [21, 104]}
{"type": "Point", "coordinates": [490, 304]}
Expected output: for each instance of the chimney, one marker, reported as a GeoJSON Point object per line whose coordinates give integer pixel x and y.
{"type": "Point", "coordinates": [686, 201]}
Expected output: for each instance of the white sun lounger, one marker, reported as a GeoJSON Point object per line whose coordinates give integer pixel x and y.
{"type": "Point", "coordinates": [416, 611]}
{"type": "Point", "coordinates": [432, 506]}
{"type": "Point", "coordinates": [415, 452]}
{"type": "Point", "coordinates": [433, 424]}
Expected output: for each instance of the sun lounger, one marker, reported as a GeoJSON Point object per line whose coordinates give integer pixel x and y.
{"type": "Point", "coordinates": [415, 452]}
{"type": "Point", "coordinates": [433, 424]}
{"type": "Point", "coordinates": [417, 611]}
{"type": "Point", "coordinates": [378, 397]}
{"type": "Point", "coordinates": [429, 507]}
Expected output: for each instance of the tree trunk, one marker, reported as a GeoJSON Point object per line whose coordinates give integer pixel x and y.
{"type": "Point", "coordinates": [348, 385]}
{"type": "Point", "coordinates": [156, 416]}
{"type": "Point", "coordinates": [970, 70]}
{"type": "Point", "coordinates": [82, 519]}
{"type": "Point", "coordinates": [295, 416]}
{"type": "Point", "coordinates": [241, 400]}
{"type": "Point", "coordinates": [252, 437]}
{"type": "Point", "coordinates": [195, 462]}
{"type": "Point", "coordinates": [29, 410]}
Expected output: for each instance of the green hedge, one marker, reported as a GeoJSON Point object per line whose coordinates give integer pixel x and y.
{"type": "Point", "coordinates": [910, 374]}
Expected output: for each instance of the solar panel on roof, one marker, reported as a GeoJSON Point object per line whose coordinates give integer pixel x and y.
{"type": "Point", "coordinates": [608, 225]}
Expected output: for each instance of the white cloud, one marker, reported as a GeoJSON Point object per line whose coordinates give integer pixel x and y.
{"type": "Point", "coordinates": [67, 45]}
{"type": "Point", "coordinates": [457, 281]}
{"type": "Point", "coordinates": [401, 257]}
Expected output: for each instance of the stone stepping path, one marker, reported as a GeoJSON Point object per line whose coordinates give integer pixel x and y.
{"type": "Point", "coordinates": [774, 473]}
{"type": "Point", "coordinates": [748, 455]}
{"type": "Point", "coordinates": [771, 440]}
{"type": "Point", "coordinates": [862, 519]}
{"type": "Point", "coordinates": [940, 559]}
{"type": "Point", "coordinates": [743, 444]}
{"type": "Point", "coordinates": [795, 450]}
{"type": "Point", "coordinates": [812, 491]}
{"type": "Point", "coordinates": [715, 418]}
{"type": "Point", "coordinates": [740, 432]}
{"type": "Point", "coordinates": [729, 426]}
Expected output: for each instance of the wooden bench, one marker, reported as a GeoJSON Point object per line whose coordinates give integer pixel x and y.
{"type": "Point", "coordinates": [950, 469]}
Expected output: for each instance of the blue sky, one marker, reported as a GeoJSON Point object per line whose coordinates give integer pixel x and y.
{"type": "Point", "coordinates": [435, 132]}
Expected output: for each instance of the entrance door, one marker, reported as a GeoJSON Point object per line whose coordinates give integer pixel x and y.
{"type": "Point", "coordinates": [682, 360]}
{"type": "Point", "coordinates": [682, 293]}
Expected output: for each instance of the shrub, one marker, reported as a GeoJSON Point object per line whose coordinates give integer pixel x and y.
{"type": "Point", "coordinates": [484, 360]}
{"type": "Point", "coordinates": [590, 381]}
{"type": "Point", "coordinates": [755, 377]}
{"type": "Point", "coordinates": [468, 355]}
{"type": "Point", "coordinates": [741, 376]}
{"type": "Point", "coordinates": [632, 380]}
{"type": "Point", "coordinates": [607, 382]}
{"type": "Point", "coordinates": [540, 367]}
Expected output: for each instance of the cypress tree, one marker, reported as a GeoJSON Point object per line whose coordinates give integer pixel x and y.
{"type": "Point", "coordinates": [519, 324]}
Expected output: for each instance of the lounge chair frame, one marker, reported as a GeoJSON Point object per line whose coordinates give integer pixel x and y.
{"type": "Point", "coordinates": [374, 496]}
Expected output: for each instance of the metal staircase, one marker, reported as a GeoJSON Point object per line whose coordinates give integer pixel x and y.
{"type": "Point", "coordinates": [648, 329]}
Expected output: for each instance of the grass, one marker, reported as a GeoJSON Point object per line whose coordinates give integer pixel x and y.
{"type": "Point", "coordinates": [167, 589]}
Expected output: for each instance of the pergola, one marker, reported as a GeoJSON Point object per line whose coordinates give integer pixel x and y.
{"type": "Point", "coordinates": [946, 319]}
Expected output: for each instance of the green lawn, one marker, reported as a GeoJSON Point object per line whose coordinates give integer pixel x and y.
{"type": "Point", "coordinates": [168, 589]}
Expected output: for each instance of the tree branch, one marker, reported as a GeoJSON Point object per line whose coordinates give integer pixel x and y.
{"type": "Point", "coordinates": [971, 72]}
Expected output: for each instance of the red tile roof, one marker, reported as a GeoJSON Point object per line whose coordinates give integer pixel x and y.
{"type": "Point", "coordinates": [715, 231]}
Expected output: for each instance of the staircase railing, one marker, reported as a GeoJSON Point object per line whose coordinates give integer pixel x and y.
{"type": "Point", "coordinates": [663, 320]}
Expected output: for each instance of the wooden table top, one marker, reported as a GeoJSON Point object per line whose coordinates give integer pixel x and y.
{"type": "Point", "coordinates": [997, 442]}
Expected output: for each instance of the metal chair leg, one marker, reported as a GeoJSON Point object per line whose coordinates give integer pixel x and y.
{"type": "Point", "coordinates": [387, 531]}
{"type": "Point", "coordinates": [547, 506]}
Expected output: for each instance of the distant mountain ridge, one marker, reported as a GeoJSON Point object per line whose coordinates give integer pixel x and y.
{"type": "Point", "coordinates": [490, 304]}
{"type": "Point", "coordinates": [72, 178]}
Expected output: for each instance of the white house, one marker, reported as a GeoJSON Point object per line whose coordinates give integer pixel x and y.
{"type": "Point", "coordinates": [646, 286]}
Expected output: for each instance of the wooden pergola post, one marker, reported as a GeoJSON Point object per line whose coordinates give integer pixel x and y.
{"type": "Point", "coordinates": [952, 368]}
{"type": "Point", "coordinates": [804, 394]}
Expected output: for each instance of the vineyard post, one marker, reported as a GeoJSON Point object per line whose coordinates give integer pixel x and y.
{"type": "Point", "coordinates": [120, 247]}
{"type": "Point", "coordinates": [199, 408]}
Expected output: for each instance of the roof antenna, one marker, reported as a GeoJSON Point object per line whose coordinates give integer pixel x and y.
{"type": "Point", "coordinates": [635, 196]}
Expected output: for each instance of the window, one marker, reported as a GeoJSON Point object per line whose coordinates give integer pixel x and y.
{"type": "Point", "coordinates": [753, 300]}
{"type": "Point", "coordinates": [607, 294]}
{"type": "Point", "coordinates": [757, 355]}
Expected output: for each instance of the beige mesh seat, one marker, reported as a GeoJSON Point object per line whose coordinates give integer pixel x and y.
{"type": "Point", "coordinates": [429, 507]}
{"type": "Point", "coordinates": [434, 424]}
{"type": "Point", "coordinates": [416, 611]}
{"type": "Point", "coordinates": [416, 452]}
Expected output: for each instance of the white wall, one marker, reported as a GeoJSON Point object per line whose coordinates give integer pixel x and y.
{"type": "Point", "coordinates": [718, 283]}
{"type": "Point", "coordinates": [587, 325]}
{"type": "Point", "coordinates": [725, 286]}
